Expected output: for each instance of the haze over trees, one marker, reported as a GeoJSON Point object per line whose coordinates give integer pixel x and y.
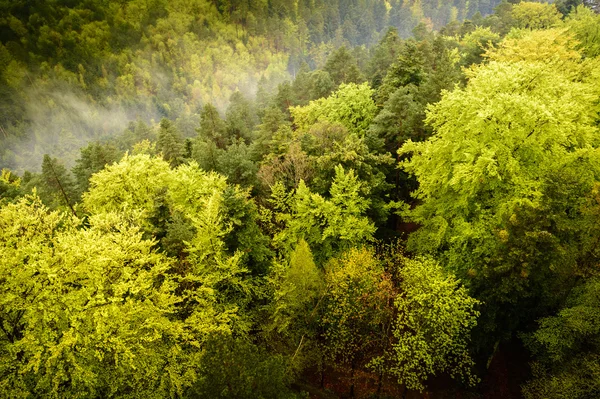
{"type": "Point", "coordinates": [241, 199]}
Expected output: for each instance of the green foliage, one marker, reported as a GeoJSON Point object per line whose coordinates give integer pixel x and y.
{"type": "Point", "coordinates": [383, 56]}
{"type": "Point", "coordinates": [212, 127]}
{"type": "Point", "coordinates": [170, 143]}
{"type": "Point", "coordinates": [234, 368]}
{"type": "Point", "coordinates": [328, 225]}
{"type": "Point", "coordinates": [431, 331]}
{"type": "Point", "coordinates": [342, 67]}
{"type": "Point", "coordinates": [584, 24]}
{"type": "Point", "coordinates": [351, 105]}
{"type": "Point", "coordinates": [566, 346]}
{"type": "Point", "coordinates": [93, 159]}
{"type": "Point", "coordinates": [530, 15]}
{"type": "Point", "coordinates": [240, 119]}
{"type": "Point", "coordinates": [356, 315]}
{"type": "Point", "coordinates": [140, 185]}
{"type": "Point", "coordinates": [475, 43]}
{"type": "Point", "coordinates": [56, 185]}
{"type": "Point", "coordinates": [88, 312]}
{"type": "Point", "coordinates": [177, 276]}
{"type": "Point", "coordinates": [297, 289]}
{"type": "Point", "coordinates": [10, 187]}
{"type": "Point", "coordinates": [502, 187]}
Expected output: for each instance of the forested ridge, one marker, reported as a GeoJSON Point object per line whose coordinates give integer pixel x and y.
{"type": "Point", "coordinates": [287, 199]}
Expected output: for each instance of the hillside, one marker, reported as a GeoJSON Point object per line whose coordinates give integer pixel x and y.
{"type": "Point", "coordinates": [273, 199]}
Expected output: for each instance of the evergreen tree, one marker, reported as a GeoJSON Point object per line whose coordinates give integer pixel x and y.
{"type": "Point", "coordinates": [57, 187]}
{"type": "Point", "coordinates": [342, 67]}
{"type": "Point", "coordinates": [170, 143]}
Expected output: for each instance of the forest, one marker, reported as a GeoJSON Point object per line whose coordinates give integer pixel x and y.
{"type": "Point", "coordinates": [300, 199]}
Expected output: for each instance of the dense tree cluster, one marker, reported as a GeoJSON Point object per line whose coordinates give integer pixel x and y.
{"type": "Point", "coordinates": [362, 197]}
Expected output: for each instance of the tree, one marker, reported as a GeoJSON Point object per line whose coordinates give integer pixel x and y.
{"type": "Point", "coordinates": [351, 105]}
{"type": "Point", "coordinates": [584, 25]}
{"type": "Point", "coordinates": [237, 368]}
{"type": "Point", "coordinates": [329, 225]}
{"type": "Point", "coordinates": [566, 348]}
{"type": "Point", "coordinates": [57, 186]}
{"type": "Point", "coordinates": [212, 127]}
{"type": "Point", "coordinates": [93, 159]}
{"type": "Point", "coordinates": [322, 84]}
{"type": "Point", "coordinates": [356, 315]}
{"type": "Point", "coordinates": [408, 68]}
{"type": "Point", "coordinates": [89, 310]}
{"type": "Point", "coordinates": [342, 67]}
{"type": "Point", "coordinates": [566, 6]}
{"type": "Point", "coordinates": [383, 56]}
{"type": "Point", "coordinates": [160, 199]}
{"type": "Point", "coordinates": [505, 164]}
{"type": "Point", "coordinates": [297, 288]}
{"type": "Point", "coordinates": [170, 143]}
{"type": "Point", "coordinates": [240, 119]}
{"type": "Point", "coordinates": [431, 331]}
{"type": "Point", "coordinates": [474, 44]}
{"type": "Point", "coordinates": [530, 15]}
{"type": "Point", "coordinates": [10, 187]}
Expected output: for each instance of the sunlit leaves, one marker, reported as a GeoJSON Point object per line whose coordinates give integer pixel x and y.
{"type": "Point", "coordinates": [435, 316]}
{"type": "Point", "coordinates": [351, 105]}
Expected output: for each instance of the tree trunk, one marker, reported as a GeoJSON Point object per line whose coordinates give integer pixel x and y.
{"type": "Point", "coordinates": [352, 379]}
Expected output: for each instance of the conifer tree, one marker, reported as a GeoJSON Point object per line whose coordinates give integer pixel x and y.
{"type": "Point", "coordinates": [57, 185]}
{"type": "Point", "coordinates": [170, 143]}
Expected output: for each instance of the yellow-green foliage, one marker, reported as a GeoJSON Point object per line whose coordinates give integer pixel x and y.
{"type": "Point", "coordinates": [95, 309]}
{"type": "Point", "coordinates": [298, 286]}
{"type": "Point", "coordinates": [329, 225]}
{"type": "Point", "coordinates": [89, 311]}
{"type": "Point", "coordinates": [432, 329]}
{"type": "Point", "coordinates": [518, 119]}
{"type": "Point", "coordinates": [356, 306]}
{"type": "Point", "coordinates": [535, 15]}
{"type": "Point", "coordinates": [351, 105]}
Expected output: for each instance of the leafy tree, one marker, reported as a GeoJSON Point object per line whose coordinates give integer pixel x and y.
{"type": "Point", "coordinates": [239, 118]}
{"type": "Point", "coordinates": [212, 127]}
{"type": "Point", "coordinates": [431, 332]}
{"type": "Point", "coordinates": [383, 56]}
{"type": "Point", "coordinates": [140, 186]}
{"type": "Point", "coordinates": [566, 346]}
{"type": "Point", "coordinates": [474, 44]}
{"type": "Point", "coordinates": [272, 121]}
{"type": "Point", "coordinates": [351, 105]}
{"type": "Point", "coordinates": [566, 6]}
{"type": "Point", "coordinates": [584, 24]}
{"type": "Point", "coordinates": [329, 145]}
{"type": "Point", "coordinates": [237, 368]}
{"type": "Point", "coordinates": [322, 84]}
{"type": "Point", "coordinates": [297, 288]}
{"type": "Point", "coordinates": [493, 179]}
{"type": "Point", "coordinates": [530, 15]}
{"type": "Point", "coordinates": [10, 187]}
{"type": "Point", "coordinates": [356, 317]}
{"type": "Point", "coordinates": [56, 185]}
{"type": "Point", "coordinates": [329, 225]}
{"type": "Point", "coordinates": [289, 168]}
{"type": "Point", "coordinates": [89, 311]}
{"type": "Point", "coordinates": [408, 68]}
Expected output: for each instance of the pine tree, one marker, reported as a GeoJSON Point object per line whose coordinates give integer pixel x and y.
{"type": "Point", "coordinates": [170, 143]}
{"type": "Point", "coordinates": [57, 185]}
